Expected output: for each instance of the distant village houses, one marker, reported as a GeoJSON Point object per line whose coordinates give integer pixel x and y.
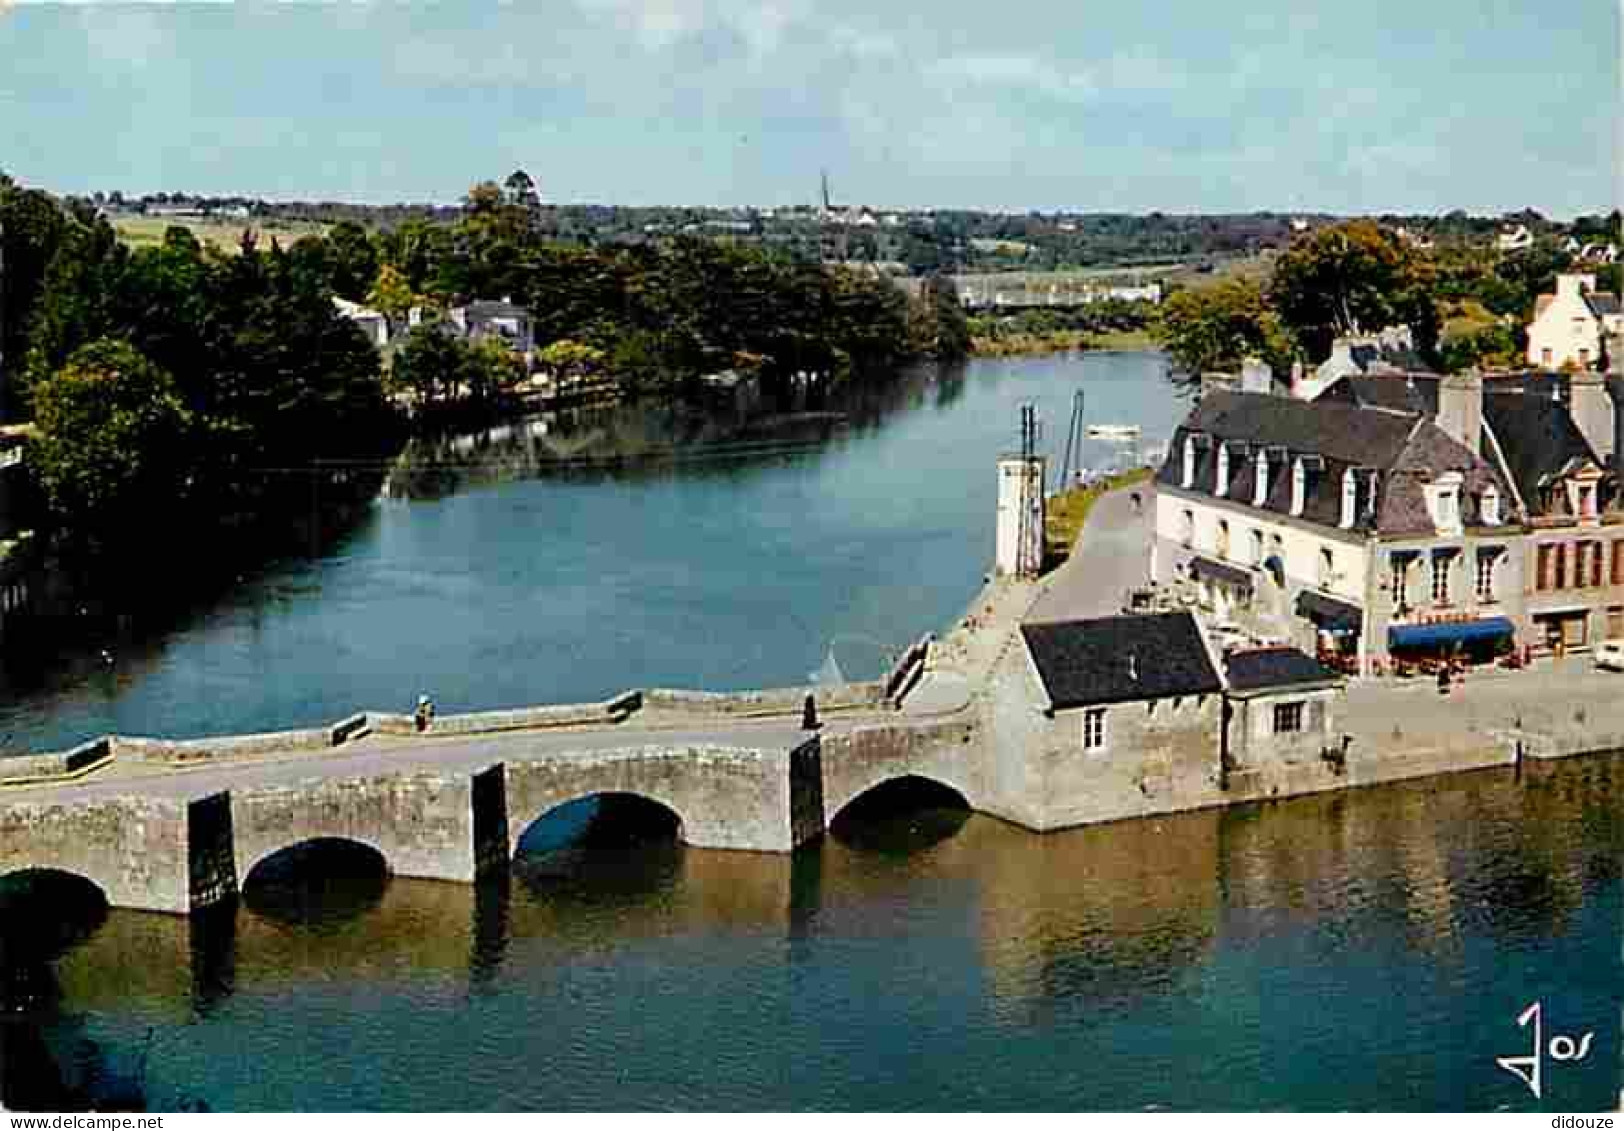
{"type": "Point", "coordinates": [1569, 326]}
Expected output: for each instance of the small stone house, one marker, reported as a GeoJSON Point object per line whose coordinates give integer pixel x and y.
{"type": "Point", "coordinates": [1281, 706]}
{"type": "Point", "coordinates": [1114, 717]}
{"type": "Point", "coordinates": [1105, 718]}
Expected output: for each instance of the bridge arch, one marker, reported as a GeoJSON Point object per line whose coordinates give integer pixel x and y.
{"type": "Point", "coordinates": [609, 816]}
{"type": "Point", "coordinates": [318, 880]}
{"type": "Point", "coordinates": [307, 853]}
{"type": "Point", "coordinates": [908, 786]}
{"type": "Point", "coordinates": [46, 910]}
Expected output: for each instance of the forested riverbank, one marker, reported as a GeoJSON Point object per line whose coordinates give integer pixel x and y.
{"type": "Point", "coordinates": [195, 409]}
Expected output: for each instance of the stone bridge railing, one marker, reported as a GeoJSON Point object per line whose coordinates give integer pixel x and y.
{"type": "Point", "coordinates": [88, 757]}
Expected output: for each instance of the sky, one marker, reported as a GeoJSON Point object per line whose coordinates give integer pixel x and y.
{"type": "Point", "coordinates": [1368, 106]}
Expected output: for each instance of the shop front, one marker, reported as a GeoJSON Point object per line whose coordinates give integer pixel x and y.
{"type": "Point", "coordinates": [1559, 631]}
{"type": "Point", "coordinates": [1336, 628]}
{"type": "Point", "coordinates": [1465, 640]}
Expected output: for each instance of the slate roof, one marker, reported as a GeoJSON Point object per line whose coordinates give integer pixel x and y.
{"type": "Point", "coordinates": [1335, 431]}
{"type": "Point", "coordinates": [1257, 669]}
{"type": "Point", "coordinates": [496, 308]}
{"type": "Point", "coordinates": [1411, 392]}
{"type": "Point", "coordinates": [1120, 659]}
{"type": "Point", "coordinates": [1538, 438]}
{"type": "Point", "coordinates": [1602, 303]}
{"type": "Point", "coordinates": [1392, 452]}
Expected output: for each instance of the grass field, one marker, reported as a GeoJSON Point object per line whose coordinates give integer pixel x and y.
{"type": "Point", "coordinates": [146, 231]}
{"type": "Point", "coordinates": [1065, 513]}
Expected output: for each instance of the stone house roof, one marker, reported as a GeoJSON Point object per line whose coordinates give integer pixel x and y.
{"type": "Point", "coordinates": [1408, 392]}
{"type": "Point", "coordinates": [1391, 453]}
{"type": "Point", "coordinates": [1260, 669]}
{"type": "Point", "coordinates": [1120, 659]}
{"type": "Point", "coordinates": [1538, 438]}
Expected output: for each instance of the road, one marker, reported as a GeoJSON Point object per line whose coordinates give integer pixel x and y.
{"type": "Point", "coordinates": [1110, 557]}
{"type": "Point", "coordinates": [377, 755]}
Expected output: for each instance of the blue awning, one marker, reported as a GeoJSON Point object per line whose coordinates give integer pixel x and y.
{"type": "Point", "coordinates": [1448, 632]}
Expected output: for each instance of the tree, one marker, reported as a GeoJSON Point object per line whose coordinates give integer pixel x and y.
{"type": "Point", "coordinates": [391, 295]}
{"type": "Point", "coordinates": [111, 449]}
{"type": "Point", "coordinates": [1350, 278]}
{"type": "Point", "coordinates": [352, 258]}
{"type": "Point", "coordinates": [1217, 327]}
{"type": "Point", "coordinates": [571, 362]}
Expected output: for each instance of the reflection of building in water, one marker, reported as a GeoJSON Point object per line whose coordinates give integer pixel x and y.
{"type": "Point", "coordinates": [1320, 863]}
{"type": "Point", "coordinates": [1104, 911]}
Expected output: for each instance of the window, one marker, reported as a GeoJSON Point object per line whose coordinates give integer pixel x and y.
{"type": "Point", "coordinates": [1490, 506]}
{"type": "Point", "coordinates": [1288, 718]}
{"type": "Point", "coordinates": [1187, 528]}
{"type": "Point", "coordinates": [1299, 486]}
{"type": "Point", "coordinates": [1401, 583]}
{"type": "Point", "coordinates": [1587, 500]}
{"type": "Point", "coordinates": [1327, 569]}
{"type": "Point", "coordinates": [1595, 565]}
{"type": "Point", "coordinates": [1545, 357]}
{"type": "Point", "coordinates": [1440, 578]}
{"type": "Point", "coordinates": [1257, 547]}
{"type": "Point", "coordinates": [1223, 539]}
{"type": "Point", "coordinates": [1559, 573]}
{"type": "Point", "coordinates": [1615, 622]}
{"type": "Point", "coordinates": [1584, 357]}
{"type": "Point", "coordinates": [1350, 497]}
{"type": "Point", "coordinates": [1260, 485]}
{"type": "Point", "coordinates": [1188, 479]}
{"type": "Point", "coordinates": [1581, 564]}
{"type": "Point", "coordinates": [1094, 729]}
{"type": "Point", "coordinates": [1221, 487]}
{"type": "Point", "coordinates": [1485, 578]}
{"type": "Point", "coordinates": [1545, 559]}
{"type": "Point", "coordinates": [1618, 561]}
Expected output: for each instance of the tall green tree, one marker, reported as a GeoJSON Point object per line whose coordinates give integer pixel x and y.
{"type": "Point", "coordinates": [112, 452]}
{"type": "Point", "coordinates": [1350, 278]}
{"type": "Point", "coordinates": [1216, 327]}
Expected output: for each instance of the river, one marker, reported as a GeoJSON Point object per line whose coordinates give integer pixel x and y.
{"type": "Point", "coordinates": [1369, 950]}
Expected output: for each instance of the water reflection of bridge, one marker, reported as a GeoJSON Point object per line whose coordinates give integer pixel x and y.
{"type": "Point", "coordinates": [1112, 911]}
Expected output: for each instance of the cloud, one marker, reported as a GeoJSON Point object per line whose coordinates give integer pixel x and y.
{"type": "Point", "coordinates": [129, 37]}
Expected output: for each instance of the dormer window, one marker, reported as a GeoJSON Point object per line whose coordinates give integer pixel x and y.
{"type": "Point", "coordinates": [1443, 500]}
{"type": "Point", "coordinates": [1221, 488]}
{"type": "Point", "coordinates": [1260, 483]}
{"type": "Point", "coordinates": [1299, 485]}
{"type": "Point", "coordinates": [1489, 506]}
{"type": "Point", "coordinates": [1350, 498]}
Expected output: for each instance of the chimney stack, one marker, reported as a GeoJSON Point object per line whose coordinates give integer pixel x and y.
{"type": "Point", "coordinates": [1615, 390]}
{"type": "Point", "coordinates": [1592, 411]}
{"type": "Point", "coordinates": [1460, 408]}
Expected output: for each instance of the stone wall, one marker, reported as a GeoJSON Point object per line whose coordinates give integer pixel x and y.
{"type": "Point", "coordinates": [421, 824]}
{"type": "Point", "coordinates": [1254, 742]}
{"type": "Point", "coordinates": [135, 849]}
{"type": "Point", "coordinates": [724, 797]}
{"type": "Point", "coordinates": [868, 756]}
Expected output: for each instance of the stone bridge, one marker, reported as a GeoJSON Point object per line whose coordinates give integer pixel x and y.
{"type": "Point", "coordinates": [177, 827]}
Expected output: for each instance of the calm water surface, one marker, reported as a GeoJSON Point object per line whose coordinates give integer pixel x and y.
{"type": "Point", "coordinates": [1370, 950]}
{"type": "Point", "coordinates": [523, 571]}
{"type": "Point", "coordinates": [1364, 951]}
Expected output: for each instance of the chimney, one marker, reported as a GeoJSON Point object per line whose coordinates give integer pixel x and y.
{"type": "Point", "coordinates": [1460, 408]}
{"type": "Point", "coordinates": [1256, 376]}
{"type": "Point", "coordinates": [1592, 412]}
{"type": "Point", "coordinates": [1615, 390]}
